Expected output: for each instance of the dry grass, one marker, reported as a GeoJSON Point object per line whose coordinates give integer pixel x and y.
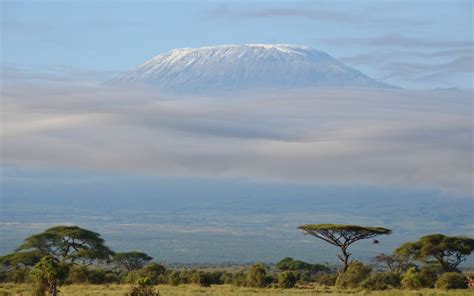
{"type": "Point", "coordinates": [109, 290]}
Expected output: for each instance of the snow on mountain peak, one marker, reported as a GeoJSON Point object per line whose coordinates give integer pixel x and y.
{"type": "Point", "coordinates": [242, 67]}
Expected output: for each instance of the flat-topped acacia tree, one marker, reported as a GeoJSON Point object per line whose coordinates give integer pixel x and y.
{"type": "Point", "coordinates": [68, 244]}
{"type": "Point", "coordinates": [342, 236]}
{"type": "Point", "coordinates": [449, 251]}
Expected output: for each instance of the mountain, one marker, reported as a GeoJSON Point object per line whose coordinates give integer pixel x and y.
{"type": "Point", "coordinates": [243, 67]}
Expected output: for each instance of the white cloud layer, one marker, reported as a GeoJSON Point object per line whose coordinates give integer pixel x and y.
{"type": "Point", "coordinates": [394, 138]}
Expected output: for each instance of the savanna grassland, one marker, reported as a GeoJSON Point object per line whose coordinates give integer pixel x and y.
{"type": "Point", "coordinates": [109, 290]}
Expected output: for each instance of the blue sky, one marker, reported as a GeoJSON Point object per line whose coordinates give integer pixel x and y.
{"type": "Point", "coordinates": [414, 44]}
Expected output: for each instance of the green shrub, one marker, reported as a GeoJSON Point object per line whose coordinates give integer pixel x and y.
{"type": "Point", "coordinates": [292, 264]}
{"type": "Point", "coordinates": [47, 274]}
{"type": "Point", "coordinates": [381, 281]}
{"type": "Point", "coordinates": [204, 279]}
{"type": "Point", "coordinates": [174, 278]}
{"type": "Point", "coordinates": [451, 280]}
{"type": "Point", "coordinates": [412, 279]}
{"type": "Point", "coordinates": [3, 276]}
{"type": "Point", "coordinates": [18, 275]}
{"type": "Point", "coordinates": [239, 279]}
{"type": "Point", "coordinates": [80, 274]}
{"type": "Point", "coordinates": [425, 277]}
{"type": "Point", "coordinates": [144, 287]}
{"type": "Point", "coordinates": [355, 274]}
{"type": "Point", "coordinates": [154, 272]}
{"type": "Point", "coordinates": [325, 279]}
{"type": "Point", "coordinates": [257, 276]}
{"type": "Point", "coordinates": [429, 274]}
{"type": "Point", "coordinates": [227, 278]}
{"type": "Point", "coordinates": [287, 279]}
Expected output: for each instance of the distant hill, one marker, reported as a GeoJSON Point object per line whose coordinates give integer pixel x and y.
{"type": "Point", "coordinates": [244, 67]}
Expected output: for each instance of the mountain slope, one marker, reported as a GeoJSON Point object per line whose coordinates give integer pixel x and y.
{"type": "Point", "coordinates": [242, 67]}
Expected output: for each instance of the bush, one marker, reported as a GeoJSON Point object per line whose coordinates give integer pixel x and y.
{"type": "Point", "coordinates": [257, 276]}
{"type": "Point", "coordinates": [226, 278]}
{"type": "Point", "coordinates": [18, 275]}
{"type": "Point", "coordinates": [144, 287]}
{"type": "Point", "coordinates": [239, 279]}
{"type": "Point", "coordinates": [286, 280]}
{"type": "Point", "coordinates": [429, 274]}
{"type": "Point", "coordinates": [325, 279]}
{"type": "Point", "coordinates": [174, 278]}
{"type": "Point", "coordinates": [3, 276]}
{"type": "Point", "coordinates": [292, 264]}
{"type": "Point", "coordinates": [412, 279]}
{"type": "Point", "coordinates": [80, 274]}
{"type": "Point", "coordinates": [355, 274]}
{"type": "Point", "coordinates": [452, 280]}
{"type": "Point", "coordinates": [205, 279]}
{"type": "Point", "coordinates": [426, 277]}
{"type": "Point", "coordinates": [154, 272]}
{"type": "Point", "coordinates": [381, 281]}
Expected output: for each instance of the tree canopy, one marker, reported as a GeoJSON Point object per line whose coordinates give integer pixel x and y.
{"type": "Point", "coordinates": [21, 259]}
{"type": "Point", "coordinates": [292, 264]}
{"type": "Point", "coordinates": [132, 260]}
{"type": "Point", "coordinates": [343, 235]}
{"type": "Point", "coordinates": [68, 243]}
{"type": "Point", "coordinates": [449, 251]}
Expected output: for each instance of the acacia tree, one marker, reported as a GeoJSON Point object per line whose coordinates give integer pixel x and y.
{"type": "Point", "coordinates": [397, 263]}
{"type": "Point", "coordinates": [68, 244]}
{"type": "Point", "coordinates": [342, 236]}
{"type": "Point", "coordinates": [132, 260]}
{"type": "Point", "coordinates": [449, 251]}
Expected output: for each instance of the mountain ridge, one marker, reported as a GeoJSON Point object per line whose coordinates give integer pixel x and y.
{"type": "Point", "coordinates": [243, 67]}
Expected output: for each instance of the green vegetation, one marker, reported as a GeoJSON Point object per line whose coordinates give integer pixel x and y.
{"type": "Point", "coordinates": [63, 257]}
{"type": "Point", "coordinates": [227, 290]}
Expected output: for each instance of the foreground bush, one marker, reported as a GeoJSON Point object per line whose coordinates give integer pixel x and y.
{"type": "Point", "coordinates": [355, 274]}
{"type": "Point", "coordinates": [426, 277]}
{"type": "Point", "coordinates": [144, 287]}
{"type": "Point", "coordinates": [257, 276]}
{"type": "Point", "coordinates": [325, 279]}
{"type": "Point", "coordinates": [452, 280]}
{"type": "Point", "coordinates": [206, 279]}
{"type": "Point", "coordinates": [84, 275]}
{"type": "Point", "coordinates": [18, 276]}
{"type": "Point", "coordinates": [381, 281]}
{"type": "Point", "coordinates": [412, 279]}
{"type": "Point", "coordinates": [287, 280]}
{"type": "Point", "coordinates": [47, 274]}
{"type": "Point", "coordinates": [154, 272]}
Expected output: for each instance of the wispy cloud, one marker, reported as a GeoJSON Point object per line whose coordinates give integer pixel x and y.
{"type": "Point", "coordinates": [399, 41]}
{"type": "Point", "coordinates": [418, 71]}
{"type": "Point", "coordinates": [401, 59]}
{"type": "Point", "coordinates": [318, 136]}
{"type": "Point", "coordinates": [312, 13]}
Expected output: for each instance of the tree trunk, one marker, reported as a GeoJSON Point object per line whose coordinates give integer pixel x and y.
{"type": "Point", "coordinates": [53, 290]}
{"type": "Point", "coordinates": [345, 259]}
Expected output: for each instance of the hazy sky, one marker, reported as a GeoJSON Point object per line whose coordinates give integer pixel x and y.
{"type": "Point", "coordinates": [414, 44]}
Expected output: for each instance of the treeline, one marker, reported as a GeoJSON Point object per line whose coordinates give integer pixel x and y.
{"type": "Point", "coordinates": [71, 255]}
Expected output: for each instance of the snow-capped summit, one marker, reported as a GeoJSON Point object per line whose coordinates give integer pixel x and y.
{"type": "Point", "coordinates": [243, 67]}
